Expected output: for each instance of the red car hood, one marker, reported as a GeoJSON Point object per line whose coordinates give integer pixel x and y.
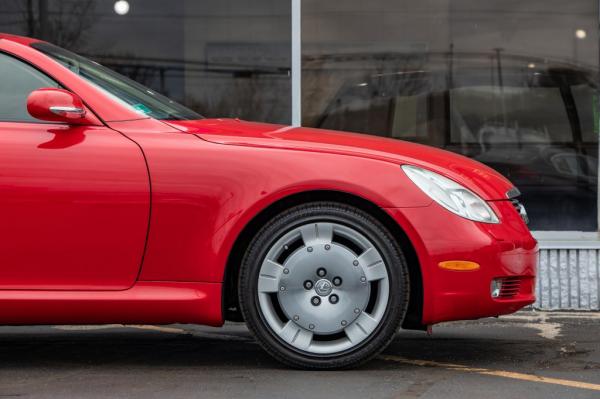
{"type": "Point", "coordinates": [486, 182]}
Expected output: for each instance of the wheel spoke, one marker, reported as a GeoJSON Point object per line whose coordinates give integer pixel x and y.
{"type": "Point", "coordinates": [372, 264]}
{"type": "Point", "coordinates": [317, 233]}
{"type": "Point", "coordinates": [296, 336]}
{"type": "Point", "coordinates": [270, 272]}
{"type": "Point", "coordinates": [376, 272]}
{"type": "Point", "coordinates": [370, 257]}
{"type": "Point", "coordinates": [361, 328]}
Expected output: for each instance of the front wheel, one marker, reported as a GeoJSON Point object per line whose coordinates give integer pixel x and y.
{"type": "Point", "coordinates": [323, 285]}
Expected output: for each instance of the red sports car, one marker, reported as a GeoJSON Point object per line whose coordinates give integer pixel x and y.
{"type": "Point", "coordinates": [120, 206]}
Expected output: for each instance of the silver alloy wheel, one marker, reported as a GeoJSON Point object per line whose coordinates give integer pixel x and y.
{"type": "Point", "coordinates": [323, 288]}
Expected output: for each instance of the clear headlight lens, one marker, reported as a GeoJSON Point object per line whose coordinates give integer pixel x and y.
{"type": "Point", "coordinates": [451, 195]}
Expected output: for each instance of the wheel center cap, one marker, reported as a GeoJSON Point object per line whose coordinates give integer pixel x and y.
{"type": "Point", "coordinates": [323, 287]}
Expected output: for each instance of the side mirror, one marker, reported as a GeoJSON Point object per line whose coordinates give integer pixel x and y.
{"type": "Point", "coordinates": [58, 105]}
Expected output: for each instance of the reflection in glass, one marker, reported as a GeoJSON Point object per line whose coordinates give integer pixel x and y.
{"type": "Point", "coordinates": [450, 74]}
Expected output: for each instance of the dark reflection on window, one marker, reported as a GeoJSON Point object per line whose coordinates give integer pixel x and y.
{"type": "Point", "coordinates": [226, 58]}
{"type": "Point", "coordinates": [532, 118]}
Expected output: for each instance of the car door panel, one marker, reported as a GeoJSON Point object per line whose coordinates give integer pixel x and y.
{"type": "Point", "coordinates": [74, 207]}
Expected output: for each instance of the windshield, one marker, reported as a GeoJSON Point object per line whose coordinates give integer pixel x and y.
{"type": "Point", "coordinates": [143, 100]}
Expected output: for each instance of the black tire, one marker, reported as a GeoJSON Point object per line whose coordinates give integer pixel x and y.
{"type": "Point", "coordinates": [352, 217]}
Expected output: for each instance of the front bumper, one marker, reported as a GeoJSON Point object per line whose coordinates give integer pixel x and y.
{"type": "Point", "coordinates": [504, 251]}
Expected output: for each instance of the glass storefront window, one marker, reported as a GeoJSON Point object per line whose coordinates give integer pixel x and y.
{"type": "Point", "coordinates": [512, 85]}
{"type": "Point", "coordinates": [227, 58]}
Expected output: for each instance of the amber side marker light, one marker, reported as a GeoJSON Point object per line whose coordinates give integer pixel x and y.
{"type": "Point", "coordinates": [459, 265]}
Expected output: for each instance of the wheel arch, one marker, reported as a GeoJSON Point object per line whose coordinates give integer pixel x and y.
{"type": "Point", "coordinates": [230, 299]}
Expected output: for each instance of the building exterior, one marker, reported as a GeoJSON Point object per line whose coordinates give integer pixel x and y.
{"type": "Point", "coordinates": [513, 84]}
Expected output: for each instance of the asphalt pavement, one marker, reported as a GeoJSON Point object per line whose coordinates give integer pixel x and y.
{"type": "Point", "coordinates": [528, 355]}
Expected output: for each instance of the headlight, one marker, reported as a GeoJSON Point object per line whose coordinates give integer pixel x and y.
{"type": "Point", "coordinates": [451, 195]}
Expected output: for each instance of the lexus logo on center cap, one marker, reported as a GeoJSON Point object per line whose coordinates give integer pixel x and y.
{"type": "Point", "coordinates": [323, 287]}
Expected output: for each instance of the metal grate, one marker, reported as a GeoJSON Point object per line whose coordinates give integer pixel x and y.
{"type": "Point", "coordinates": [568, 279]}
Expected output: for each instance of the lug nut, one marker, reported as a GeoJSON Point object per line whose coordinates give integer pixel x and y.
{"type": "Point", "coordinates": [315, 300]}
{"type": "Point", "coordinates": [321, 272]}
{"type": "Point", "coordinates": [309, 249]}
{"type": "Point", "coordinates": [344, 322]}
{"type": "Point", "coordinates": [334, 299]}
{"type": "Point", "coordinates": [327, 247]}
{"type": "Point", "coordinates": [311, 326]}
{"type": "Point", "coordinates": [308, 284]}
{"type": "Point", "coordinates": [286, 271]}
{"type": "Point", "coordinates": [357, 310]}
{"type": "Point", "coordinates": [337, 281]}
{"type": "Point", "coordinates": [363, 279]}
{"type": "Point", "coordinates": [282, 288]}
{"type": "Point", "coordinates": [296, 318]}
{"type": "Point", "coordinates": [355, 263]}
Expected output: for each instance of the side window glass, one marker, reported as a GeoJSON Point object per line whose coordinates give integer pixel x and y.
{"type": "Point", "coordinates": [17, 81]}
